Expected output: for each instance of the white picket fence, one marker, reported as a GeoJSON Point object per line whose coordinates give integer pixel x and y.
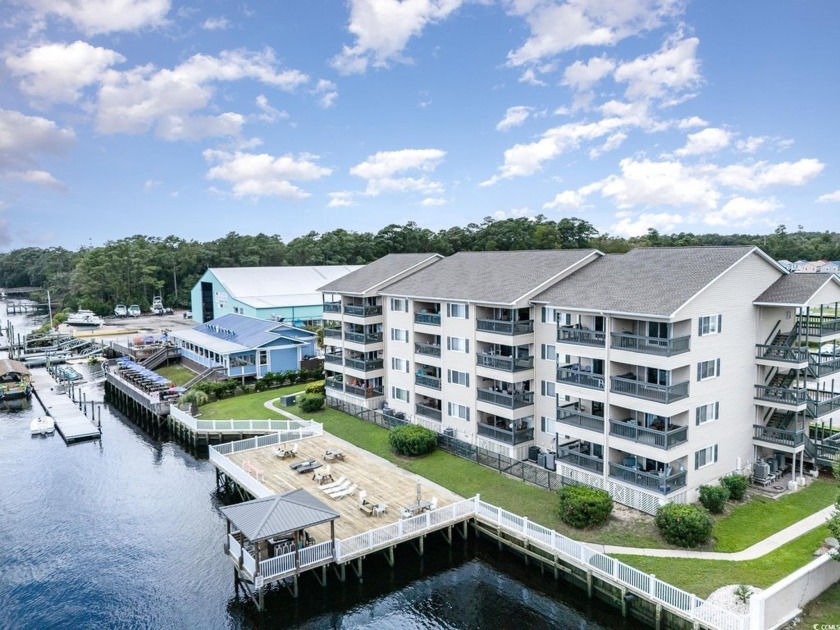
{"type": "Point", "coordinates": [238, 426]}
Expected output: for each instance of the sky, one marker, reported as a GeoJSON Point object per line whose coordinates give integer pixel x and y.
{"type": "Point", "coordinates": [159, 117]}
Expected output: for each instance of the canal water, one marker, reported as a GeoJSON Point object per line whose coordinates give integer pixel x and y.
{"type": "Point", "coordinates": [124, 533]}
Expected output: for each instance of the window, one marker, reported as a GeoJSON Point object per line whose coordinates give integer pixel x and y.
{"type": "Point", "coordinates": [709, 325]}
{"type": "Point", "coordinates": [705, 457]}
{"type": "Point", "coordinates": [459, 411]}
{"type": "Point", "coordinates": [548, 351]}
{"type": "Point", "coordinates": [399, 334]}
{"type": "Point", "coordinates": [458, 344]}
{"type": "Point", "coordinates": [547, 388]}
{"type": "Point", "coordinates": [399, 394]}
{"type": "Point", "coordinates": [708, 369]}
{"type": "Point", "coordinates": [400, 365]}
{"type": "Point", "coordinates": [708, 413]}
{"type": "Point", "coordinates": [459, 378]}
{"type": "Point", "coordinates": [458, 311]}
{"type": "Point", "coordinates": [547, 425]}
{"type": "Point", "coordinates": [399, 305]}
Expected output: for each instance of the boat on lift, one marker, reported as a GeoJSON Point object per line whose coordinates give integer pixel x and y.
{"type": "Point", "coordinates": [84, 318]}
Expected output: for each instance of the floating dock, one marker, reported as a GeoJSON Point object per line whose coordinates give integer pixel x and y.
{"type": "Point", "coordinates": [69, 415]}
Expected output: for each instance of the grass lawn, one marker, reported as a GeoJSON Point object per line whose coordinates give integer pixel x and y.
{"type": "Point", "coordinates": [760, 517]}
{"type": "Point", "coordinates": [247, 407]}
{"type": "Point", "coordinates": [825, 609]}
{"type": "Point", "coordinates": [176, 373]}
{"type": "Point", "coordinates": [701, 577]}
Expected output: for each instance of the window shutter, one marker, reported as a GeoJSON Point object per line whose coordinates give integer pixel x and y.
{"type": "Point", "coordinates": [542, 351]}
{"type": "Point", "coordinates": [467, 414]}
{"type": "Point", "coordinates": [544, 314]}
{"type": "Point", "coordinates": [697, 417]}
{"type": "Point", "coordinates": [717, 367]}
{"type": "Point", "coordinates": [699, 370]}
{"type": "Point", "coordinates": [468, 380]}
{"type": "Point", "coordinates": [448, 376]}
{"type": "Point", "coordinates": [449, 343]}
{"type": "Point", "coordinates": [720, 323]}
{"type": "Point", "coordinates": [467, 346]}
{"type": "Point", "coordinates": [696, 460]}
{"type": "Point", "coordinates": [466, 311]}
{"type": "Point", "coordinates": [717, 410]}
{"type": "Point", "coordinates": [699, 326]}
{"type": "Point", "coordinates": [715, 458]}
{"type": "Point", "coordinates": [542, 388]}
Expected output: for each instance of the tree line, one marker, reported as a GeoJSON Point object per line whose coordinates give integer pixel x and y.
{"type": "Point", "coordinates": [135, 269]}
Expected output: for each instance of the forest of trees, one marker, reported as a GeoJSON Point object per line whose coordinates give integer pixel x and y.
{"type": "Point", "coordinates": [132, 270]}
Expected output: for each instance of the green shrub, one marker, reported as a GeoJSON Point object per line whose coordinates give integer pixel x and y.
{"type": "Point", "coordinates": [316, 388]}
{"type": "Point", "coordinates": [311, 402]}
{"type": "Point", "coordinates": [582, 506]}
{"type": "Point", "coordinates": [737, 485]}
{"type": "Point", "coordinates": [684, 525]}
{"type": "Point", "coordinates": [714, 498]}
{"type": "Point", "coordinates": [412, 440]}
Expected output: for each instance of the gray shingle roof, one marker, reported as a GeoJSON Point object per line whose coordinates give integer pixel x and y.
{"type": "Point", "coordinates": [490, 277]}
{"type": "Point", "coordinates": [10, 366]}
{"type": "Point", "coordinates": [654, 281]}
{"type": "Point", "coordinates": [278, 514]}
{"type": "Point", "coordinates": [794, 289]}
{"type": "Point", "coordinates": [376, 274]}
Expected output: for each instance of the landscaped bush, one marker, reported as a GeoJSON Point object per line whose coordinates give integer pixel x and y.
{"type": "Point", "coordinates": [684, 525]}
{"type": "Point", "coordinates": [737, 485]}
{"type": "Point", "coordinates": [714, 498]}
{"type": "Point", "coordinates": [412, 440]}
{"type": "Point", "coordinates": [316, 388]}
{"type": "Point", "coordinates": [582, 506]}
{"type": "Point", "coordinates": [311, 402]}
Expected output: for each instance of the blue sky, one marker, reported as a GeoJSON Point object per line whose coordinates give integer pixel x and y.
{"type": "Point", "coordinates": [157, 117]}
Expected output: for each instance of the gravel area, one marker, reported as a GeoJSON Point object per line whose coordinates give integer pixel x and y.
{"type": "Point", "coordinates": [725, 598]}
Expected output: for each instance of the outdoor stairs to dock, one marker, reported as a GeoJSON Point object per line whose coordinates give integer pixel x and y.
{"type": "Point", "coordinates": [198, 378]}
{"type": "Point", "coordinates": [154, 360]}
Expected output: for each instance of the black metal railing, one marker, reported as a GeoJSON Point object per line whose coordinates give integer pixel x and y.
{"type": "Point", "coordinates": [427, 381]}
{"type": "Point", "coordinates": [577, 418]}
{"type": "Point", "coordinates": [574, 457]}
{"type": "Point", "coordinates": [649, 391]}
{"type": "Point", "coordinates": [512, 437]}
{"type": "Point", "coordinates": [581, 336]}
{"type": "Point", "coordinates": [504, 327]}
{"type": "Point", "coordinates": [629, 430]}
{"type": "Point", "coordinates": [783, 437]}
{"type": "Point", "coordinates": [427, 412]}
{"type": "Point", "coordinates": [650, 345]}
{"type": "Point", "coordinates": [505, 399]}
{"type": "Point", "coordinates": [430, 319]}
{"type": "Point", "coordinates": [657, 482]}
{"type": "Point", "coordinates": [363, 311]}
{"type": "Point", "coordinates": [506, 364]}
{"type": "Point", "coordinates": [427, 349]}
{"type": "Point", "coordinates": [580, 377]}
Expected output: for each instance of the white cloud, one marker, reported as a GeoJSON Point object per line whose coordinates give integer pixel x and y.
{"type": "Point", "coordinates": [261, 175]}
{"type": "Point", "coordinates": [380, 171]}
{"type": "Point", "coordinates": [434, 201]}
{"type": "Point", "coordinates": [197, 127]}
{"type": "Point", "coordinates": [150, 184]}
{"type": "Point", "coordinates": [667, 183]}
{"type": "Point", "coordinates": [690, 122]}
{"type": "Point", "coordinates": [708, 140]}
{"type": "Point", "coordinates": [215, 24]}
{"type": "Point", "coordinates": [832, 197]}
{"type": "Point", "coordinates": [383, 28]}
{"type": "Point", "coordinates": [23, 139]}
{"type": "Point", "coordinates": [751, 144]}
{"type": "Point", "coordinates": [341, 199]}
{"type": "Point", "coordinates": [57, 73]}
{"type": "Point", "coordinates": [610, 144]}
{"type": "Point", "coordinates": [529, 76]}
{"type": "Point", "coordinates": [629, 226]}
{"type": "Point", "coordinates": [269, 114]}
{"type": "Point", "coordinates": [740, 211]}
{"type": "Point", "coordinates": [672, 69]}
{"type": "Point", "coordinates": [760, 175]}
{"type": "Point", "coordinates": [39, 178]}
{"type": "Point", "coordinates": [514, 116]}
{"type": "Point", "coordinates": [106, 16]}
{"type": "Point", "coordinates": [566, 200]}
{"type": "Point", "coordinates": [582, 76]}
{"type": "Point", "coordinates": [327, 93]}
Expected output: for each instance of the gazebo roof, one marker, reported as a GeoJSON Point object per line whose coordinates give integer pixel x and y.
{"type": "Point", "coordinates": [10, 366]}
{"type": "Point", "coordinates": [278, 514]}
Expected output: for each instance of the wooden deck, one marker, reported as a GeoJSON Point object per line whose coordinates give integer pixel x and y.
{"type": "Point", "coordinates": [383, 482]}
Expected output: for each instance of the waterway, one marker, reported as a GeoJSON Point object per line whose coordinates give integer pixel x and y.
{"type": "Point", "coordinates": [124, 533]}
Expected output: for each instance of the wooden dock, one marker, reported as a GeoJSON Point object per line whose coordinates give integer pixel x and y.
{"type": "Point", "coordinates": [70, 419]}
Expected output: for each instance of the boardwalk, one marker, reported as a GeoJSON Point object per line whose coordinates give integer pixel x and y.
{"type": "Point", "coordinates": [71, 423]}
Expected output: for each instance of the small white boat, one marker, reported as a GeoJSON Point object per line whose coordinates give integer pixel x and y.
{"type": "Point", "coordinates": [84, 317]}
{"type": "Point", "coordinates": [42, 425]}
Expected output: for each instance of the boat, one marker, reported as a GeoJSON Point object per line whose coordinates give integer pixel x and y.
{"type": "Point", "coordinates": [134, 311]}
{"type": "Point", "coordinates": [84, 318]}
{"type": "Point", "coordinates": [42, 425]}
{"type": "Point", "coordinates": [158, 308]}
{"type": "Point", "coordinates": [121, 310]}
{"type": "Point", "coordinates": [15, 380]}
{"type": "Point", "coordinates": [67, 373]}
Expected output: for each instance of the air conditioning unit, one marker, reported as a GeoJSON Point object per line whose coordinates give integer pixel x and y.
{"type": "Point", "coordinates": [449, 432]}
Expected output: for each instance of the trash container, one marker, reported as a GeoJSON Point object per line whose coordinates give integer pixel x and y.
{"type": "Point", "coordinates": [533, 453]}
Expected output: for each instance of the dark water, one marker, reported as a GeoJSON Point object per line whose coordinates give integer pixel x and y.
{"type": "Point", "coordinates": [124, 533]}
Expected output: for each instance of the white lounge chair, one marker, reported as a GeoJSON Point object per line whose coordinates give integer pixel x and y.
{"type": "Point", "coordinates": [332, 486]}
{"type": "Point", "coordinates": [433, 504]}
{"type": "Point", "coordinates": [340, 488]}
{"type": "Point", "coordinates": [344, 493]}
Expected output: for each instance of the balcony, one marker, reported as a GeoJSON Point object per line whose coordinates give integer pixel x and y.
{"type": "Point", "coordinates": [430, 319]}
{"type": "Point", "coordinates": [658, 438]}
{"type": "Point", "coordinates": [656, 482]}
{"type": "Point", "coordinates": [576, 376]}
{"type": "Point", "coordinates": [823, 366]}
{"type": "Point", "coordinates": [581, 460]}
{"type": "Point", "coordinates": [511, 437]}
{"type": "Point", "coordinates": [427, 381]}
{"type": "Point", "coordinates": [364, 392]}
{"type": "Point", "coordinates": [781, 395]}
{"type": "Point", "coordinates": [503, 327]}
{"type": "Point", "coordinates": [819, 326]}
{"type": "Point", "coordinates": [363, 311]}
{"type": "Point", "coordinates": [506, 400]}
{"type": "Point", "coordinates": [783, 354]}
{"type": "Point", "coordinates": [334, 383]}
{"type": "Point", "coordinates": [336, 359]}
{"type": "Point", "coordinates": [363, 338]}
{"type": "Point", "coordinates": [332, 333]}
{"type": "Point", "coordinates": [427, 412]}
{"type": "Point", "coordinates": [649, 391]}
{"type": "Point", "coordinates": [365, 365]}
{"type": "Point", "coordinates": [581, 336]}
{"type": "Point", "coordinates": [427, 349]}
{"type": "Point", "coordinates": [332, 307]}
{"type": "Point", "coordinates": [782, 437]}
{"type": "Point", "coordinates": [506, 364]}
{"type": "Point", "coordinates": [822, 402]}
{"type": "Point", "coordinates": [650, 345]}
{"type": "Point", "coordinates": [576, 418]}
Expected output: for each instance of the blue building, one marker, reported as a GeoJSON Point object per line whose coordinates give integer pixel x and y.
{"type": "Point", "coordinates": [287, 294]}
{"type": "Point", "coordinates": [245, 346]}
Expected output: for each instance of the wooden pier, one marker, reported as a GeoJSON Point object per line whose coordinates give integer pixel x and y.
{"type": "Point", "coordinates": [71, 416]}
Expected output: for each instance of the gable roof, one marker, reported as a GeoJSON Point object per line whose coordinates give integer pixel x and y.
{"type": "Point", "coordinates": [236, 333]}
{"type": "Point", "coordinates": [490, 277]}
{"type": "Point", "coordinates": [651, 281]}
{"type": "Point", "coordinates": [10, 366]}
{"type": "Point", "coordinates": [278, 514]}
{"type": "Point", "coordinates": [377, 274]}
{"type": "Point", "coordinates": [795, 289]}
{"type": "Point", "coordinates": [271, 287]}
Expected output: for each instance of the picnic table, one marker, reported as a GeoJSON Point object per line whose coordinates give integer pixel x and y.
{"type": "Point", "coordinates": [333, 454]}
{"type": "Point", "coordinates": [417, 508]}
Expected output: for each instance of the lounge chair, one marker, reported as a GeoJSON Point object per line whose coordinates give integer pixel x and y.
{"type": "Point", "coordinates": [340, 488]}
{"type": "Point", "coordinates": [344, 493]}
{"type": "Point", "coordinates": [433, 504]}
{"type": "Point", "coordinates": [334, 484]}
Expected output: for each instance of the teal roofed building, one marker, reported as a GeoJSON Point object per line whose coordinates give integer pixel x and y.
{"type": "Point", "coordinates": [283, 294]}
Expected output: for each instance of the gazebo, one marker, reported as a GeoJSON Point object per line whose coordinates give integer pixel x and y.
{"type": "Point", "coordinates": [273, 527]}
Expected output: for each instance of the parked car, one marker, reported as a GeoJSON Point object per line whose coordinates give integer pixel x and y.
{"type": "Point", "coordinates": [134, 311]}
{"type": "Point", "coordinates": [120, 310]}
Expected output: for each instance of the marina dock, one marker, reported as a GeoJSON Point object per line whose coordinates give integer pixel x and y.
{"type": "Point", "coordinates": [70, 416]}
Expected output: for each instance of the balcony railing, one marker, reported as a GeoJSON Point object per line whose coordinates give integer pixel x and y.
{"type": "Point", "coordinates": [512, 437]}
{"type": "Point", "coordinates": [427, 412]}
{"type": "Point", "coordinates": [649, 391]}
{"type": "Point", "coordinates": [781, 395]}
{"type": "Point", "coordinates": [579, 377]}
{"type": "Point", "coordinates": [334, 333]}
{"type": "Point", "coordinates": [821, 403]}
{"type": "Point", "coordinates": [784, 354]}
{"type": "Point", "coordinates": [503, 327]}
{"type": "Point", "coordinates": [427, 381]}
{"type": "Point", "coordinates": [363, 338]}
{"type": "Point", "coordinates": [650, 345]}
{"type": "Point", "coordinates": [365, 365]}
{"type": "Point", "coordinates": [430, 319]}
{"type": "Point", "coordinates": [581, 336]}
{"type": "Point", "coordinates": [576, 418]}
{"type": "Point", "coordinates": [427, 349]}
{"type": "Point", "coordinates": [362, 311]}
{"type": "Point", "coordinates": [506, 364]}
{"type": "Point", "coordinates": [629, 430]}
{"type": "Point", "coordinates": [504, 399]}
{"type": "Point", "coordinates": [783, 437]}
{"type": "Point", "coordinates": [364, 392]}
{"type": "Point", "coordinates": [819, 326]}
{"type": "Point", "coordinates": [332, 307]}
{"type": "Point", "coordinates": [823, 366]}
{"type": "Point", "coordinates": [334, 358]}
{"type": "Point", "coordinates": [576, 458]}
{"type": "Point", "coordinates": [657, 482]}
{"type": "Point", "coordinates": [334, 383]}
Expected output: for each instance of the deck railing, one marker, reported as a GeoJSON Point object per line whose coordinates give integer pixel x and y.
{"type": "Point", "coordinates": [362, 311]}
{"type": "Point", "coordinates": [430, 319]}
{"type": "Point", "coordinates": [504, 327]}
{"type": "Point", "coordinates": [364, 365]}
{"type": "Point", "coordinates": [504, 399]}
{"type": "Point", "coordinates": [334, 333]}
{"type": "Point", "coordinates": [363, 338]}
{"type": "Point", "coordinates": [576, 418]}
{"type": "Point", "coordinates": [334, 383]}
{"type": "Point", "coordinates": [650, 345]}
{"type": "Point", "coordinates": [649, 391]}
{"type": "Point", "coordinates": [580, 377]}
{"type": "Point", "coordinates": [428, 349]}
{"type": "Point", "coordinates": [574, 457]}
{"type": "Point", "coordinates": [337, 359]}
{"type": "Point", "coordinates": [781, 395]}
{"type": "Point", "coordinates": [581, 336]}
{"type": "Point", "coordinates": [366, 392]}
{"type": "Point", "coordinates": [427, 381]}
{"type": "Point", "coordinates": [784, 354]}
{"type": "Point", "coordinates": [649, 480]}
{"type": "Point", "coordinates": [332, 307]}
{"type": "Point", "coordinates": [629, 430]}
{"type": "Point", "coordinates": [783, 437]}
{"type": "Point", "coordinates": [506, 364]}
{"type": "Point", "coordinates": [507, 436]}
{"type": "Point", "coordinates": [427, 412]}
